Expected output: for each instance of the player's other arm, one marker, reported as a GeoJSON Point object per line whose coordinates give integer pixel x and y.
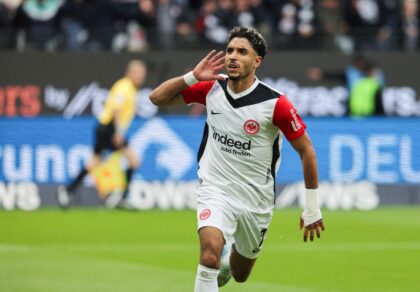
{"type": "Point", "coordinates": [303, 146]}
{"type": "Point", "coordinates": [311, 219]}
{"type": "Point", "coordinates": [207, 69]}
{"type": "Point", "coordinates": [289, 122]}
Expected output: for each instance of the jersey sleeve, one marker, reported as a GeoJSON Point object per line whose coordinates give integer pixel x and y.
{"type": "Point", "coordinates": [197, 93]}
{"type": "Point", "coordinates": [287, 119]}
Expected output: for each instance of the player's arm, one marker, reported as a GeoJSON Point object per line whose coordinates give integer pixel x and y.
{"type": "Point", "coordinates": [306, 151]}
{"type": "Point", "coordinates": [207, 69]}
{"type": "Point", "coordinates": [168, 91]}
{"type": "Point", "coordinates": [287, 119]}
{"type": "Point", "coordinates": [311, 218]}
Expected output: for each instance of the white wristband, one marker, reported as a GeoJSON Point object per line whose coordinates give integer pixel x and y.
{"type": "Point", "coordinates": [190, 79]}
{"type": "Point", "coordinates": [311, 196]}
{"type": "Point", "coordinates": [312, 213]}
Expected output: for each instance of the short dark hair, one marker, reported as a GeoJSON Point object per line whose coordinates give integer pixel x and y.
{"type": "Point", "coordinates": [256, 40]}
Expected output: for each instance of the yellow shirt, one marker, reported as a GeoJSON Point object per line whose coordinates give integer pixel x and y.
{"type": "Point", "coordinates": [121, 98]}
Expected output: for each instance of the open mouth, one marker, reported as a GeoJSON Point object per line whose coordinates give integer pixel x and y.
{"type": "Point", "coordinates": [233, 66]}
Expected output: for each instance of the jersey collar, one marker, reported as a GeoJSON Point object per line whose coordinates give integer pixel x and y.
{"type": "Point", "coordinates": [243, 93]}
{"type": "Point", "coordinates": [258, 92]}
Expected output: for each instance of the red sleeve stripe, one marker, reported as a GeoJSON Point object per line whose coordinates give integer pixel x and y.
{"type": "Point", "coordinates": [197, 93]}
{"type": "Point", "coordinates": [287, 119]}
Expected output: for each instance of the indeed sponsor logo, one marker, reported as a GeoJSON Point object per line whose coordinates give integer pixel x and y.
{"type": "Point", "coordinates": [225, 140]}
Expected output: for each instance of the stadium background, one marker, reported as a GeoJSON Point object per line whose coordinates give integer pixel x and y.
{"type": "Point", "coordinates": [50, 93]}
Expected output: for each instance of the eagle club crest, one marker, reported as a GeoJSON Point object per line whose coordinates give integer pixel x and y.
{"type": "Point", "coordinates": [251, 127]}
{"type": "Point", "coordinates": [205, 214]}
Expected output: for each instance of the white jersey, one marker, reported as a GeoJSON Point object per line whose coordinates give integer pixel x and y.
{"type": "Point", "coordinates": [240, 149]}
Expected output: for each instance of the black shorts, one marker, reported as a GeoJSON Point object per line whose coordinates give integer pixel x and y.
{"type": "Point", "coordinates": [103, 138]}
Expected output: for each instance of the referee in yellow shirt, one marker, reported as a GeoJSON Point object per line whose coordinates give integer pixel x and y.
{"type": "Point", "coordinates": [114, 120]}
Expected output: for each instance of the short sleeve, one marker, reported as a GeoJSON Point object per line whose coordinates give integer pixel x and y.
{"type": "Point", "coordinates": [287, 119]}
{"type": "Point", "coordinates": [197, 93]}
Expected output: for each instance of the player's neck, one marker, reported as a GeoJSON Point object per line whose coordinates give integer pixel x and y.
{"type": "Point", "coordinates": [242, 84]}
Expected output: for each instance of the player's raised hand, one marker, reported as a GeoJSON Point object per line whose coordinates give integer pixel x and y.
{"type": "Point", "coordinates": [210, 66]}
{"type": "Point", "coordinates": [310, 226]}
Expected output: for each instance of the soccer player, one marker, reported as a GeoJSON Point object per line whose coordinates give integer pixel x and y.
{"type": "Point", "coordinates": [239, 156]}
{"type": "Point", "coordinates": [114, 120]}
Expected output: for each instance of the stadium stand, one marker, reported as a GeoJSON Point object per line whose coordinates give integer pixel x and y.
{"type": "Point", "coordinates": [139, 25]}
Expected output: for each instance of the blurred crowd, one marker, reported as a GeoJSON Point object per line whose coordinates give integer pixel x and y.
{"type": "Point", "coordinates": [136, 25]}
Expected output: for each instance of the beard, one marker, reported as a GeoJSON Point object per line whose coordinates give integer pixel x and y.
{"type": "Point", "coordinates": [235, 77]}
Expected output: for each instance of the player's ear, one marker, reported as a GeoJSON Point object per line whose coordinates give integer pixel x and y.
{"type": "Point", "coordinates": [257, 62]}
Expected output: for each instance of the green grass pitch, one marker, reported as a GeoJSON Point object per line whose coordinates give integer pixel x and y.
{"type": "Point", "coordinates": [110, 250]}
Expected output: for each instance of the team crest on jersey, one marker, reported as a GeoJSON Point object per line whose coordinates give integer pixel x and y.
{"type": "Point", "coordinates": [251, 127]}
{"type": "Point", "coordinates": [205, 214]}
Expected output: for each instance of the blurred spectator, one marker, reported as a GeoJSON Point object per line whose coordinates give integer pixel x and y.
{"type": "Point", "coordinates": [148, 20]}
{"type": "Point", "coordinates": [186, 34]}
{"type": "Point", "coordinates": [333, 27]}
{"type": "Point", "coordinates": [243, 13]}
{"type": "Point", "coordinates": [39, 21]}
{"type": "Point", "coordinates": [99, 18]}
{"type": "Point", "coordinates": [12, 4]}
{"type": "Point", "coordinates": [88, 24]}
{"type": "Point", "coordinates": [218, 24]}
{"type": "Point", "coordinates": [205, 18]}
{"type": "Point", "coordinates": [130, 24]}
{"type": "Point", "coordinates": [195, 5]}
{"type": "Point", "coordinates": [296, 24]}
{"type": "Point", "coordinates": [169, 12]}
{"type": "Point", "coordinates": [263, 18]}
{"type": "Point", "coordinates": [72, 25]}
{"type": "Point", "coordinates": [225, 13]}
{"type": "Point", "coordinates": [7, 13]}
{"type": "Point", "coordinates": [410, 25]}
{"type": "Point", "coordinates": [388, 38]}
{"type": "Point", "coordinates": [368, 23]}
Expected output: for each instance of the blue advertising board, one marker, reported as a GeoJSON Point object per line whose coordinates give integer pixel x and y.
{"type": "Point", "coordinates": [51, 150]}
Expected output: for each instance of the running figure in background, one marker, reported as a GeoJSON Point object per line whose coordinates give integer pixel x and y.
{"type": "Point", "coordinates": [239, 156]}
{"type": "Point", "coordinates": [114, 120]}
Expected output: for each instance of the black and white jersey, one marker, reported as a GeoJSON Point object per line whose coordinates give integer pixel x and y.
{"type": "Point", "coordinates": [240, 148]}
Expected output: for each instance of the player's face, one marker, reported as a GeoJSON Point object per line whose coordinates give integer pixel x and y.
{"type": "Point", "coordinates": [241, 59]}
